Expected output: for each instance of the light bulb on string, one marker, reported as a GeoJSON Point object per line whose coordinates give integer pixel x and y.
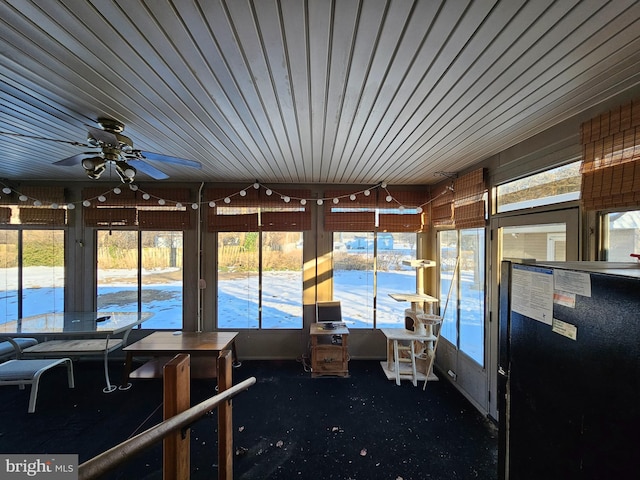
{"type": "Point", "coordinates": [286, 199]}
{"type": "Point", "coordinates": [227, 200]}
{"type": "Point", "coordinates": [367, 193]}
{"type": "Point", "coordinates": [194, 206]}
{"type": "Point", "coordinates": [23, 198]}
{"type": "Point", "coordinates": [212, 204]}
{"type": "Point", "coordinates": [243, 193]}
{"type": "Point", "coordinates": [146, 196]}
{"type": "Point", "coordinates": [336, 201]}
{"type": "Point", "coordinates": [161, 201]}
{"type": "Point", "coordinates": [86, 203]}
{"type": "Point", "coordinates": [303, 201]}
{"type": "Point", "coordinates": [71, 206]}
{"type": "Point", "coordinates": [319, 201]}
{"type": "Point", "coordinates": [352, 197]}
{"type": "Point", "coordinates": [102, 198]}
{"type": "Point", "coordinates": [6, 190]}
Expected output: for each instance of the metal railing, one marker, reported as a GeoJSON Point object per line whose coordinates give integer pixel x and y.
{"type": "Point", "coordinates": [110, 459]}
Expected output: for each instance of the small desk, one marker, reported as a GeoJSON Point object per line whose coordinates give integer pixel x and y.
{"type": "Point", "coordinates": [84, 333]}
{"type": "Point", "coordinates": [165, 345]}
{"type": "Point", "coordinates": [392, 368]}
{"type": "Point", "coordinates": [327, 357]}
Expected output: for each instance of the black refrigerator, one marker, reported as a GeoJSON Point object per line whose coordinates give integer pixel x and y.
{"type": "Point", "coordinates": [569, 371]}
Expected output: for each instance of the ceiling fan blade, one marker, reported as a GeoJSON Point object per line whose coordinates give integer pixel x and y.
{"type": "Point", "coordinates": [167, 159]}
{"type": "Point", "coordinates": [106, 138]}
{"type": "Point", "coordinates": [74, 160]}
{"type": "Point", "coordinates": [150, 170]}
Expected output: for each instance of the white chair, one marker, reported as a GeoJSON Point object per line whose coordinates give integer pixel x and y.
{"type": "Point", "coordinates": [28, 372]}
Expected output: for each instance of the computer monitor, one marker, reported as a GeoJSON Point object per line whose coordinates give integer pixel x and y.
{"type": "Point", "coordinates": [328, 313]}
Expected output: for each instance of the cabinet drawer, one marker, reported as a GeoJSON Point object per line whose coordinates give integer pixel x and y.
{"type": "Point", "coordinates": [329, 359]}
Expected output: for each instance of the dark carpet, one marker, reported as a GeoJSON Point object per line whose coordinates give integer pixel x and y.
{"type": "Point", "coordinates": [288, 425]}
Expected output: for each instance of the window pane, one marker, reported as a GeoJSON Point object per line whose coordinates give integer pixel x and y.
{"type": "Point", "coordinates": [162, 279]}
{"type": "Point", "coordinates": [238, 280]}
{"type": "Point", "coordinates": [353, 277]}
{"type": "Point", "coordinates": [394, 277]}
{"type": "Point", "coordinates": [282, 280]}
{"type": "Point", "coordinates": [472, 282]}
{"type": "Point", "coordinates": [557, 185]}
{"type": "Point", "coordinates": [9, 275]}
{"type": "Point", "coordinates": [42, 271]}
{"type": "Point", "coordinates": [621, 236]}
{"type": "Point", "coordinates": [448, 247]}
{"type": "Point", "coordinates": [545, 242]}
{"type": "Point", "coordinates": [117, 257]}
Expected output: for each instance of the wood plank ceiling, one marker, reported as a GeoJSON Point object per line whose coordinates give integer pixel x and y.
{"type": "Point", "coordinates": [304, 91]}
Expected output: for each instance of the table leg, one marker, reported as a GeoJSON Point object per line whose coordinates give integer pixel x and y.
{"type": "Point", "coordinates": [397, 361]}
{"type": "Point", "coordinates": [234, 355]}
{"type": "Point", "coordinates": [126, 384]}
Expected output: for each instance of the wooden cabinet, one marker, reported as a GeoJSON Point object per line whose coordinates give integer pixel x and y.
{"type": "Point", "coordinates": [329, 351]}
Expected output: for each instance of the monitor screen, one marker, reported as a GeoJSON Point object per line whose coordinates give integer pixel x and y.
{"type": "Point", "coordinates": [328, 312]}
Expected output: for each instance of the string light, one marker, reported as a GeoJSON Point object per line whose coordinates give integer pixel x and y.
{"type": "Point", "coordinates": [228, 199]}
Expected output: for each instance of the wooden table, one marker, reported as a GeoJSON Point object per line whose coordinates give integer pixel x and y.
{"type": "Point", "coordinates": [203, 347]}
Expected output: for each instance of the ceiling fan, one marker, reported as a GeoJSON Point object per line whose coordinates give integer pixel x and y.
{"type": "Point", "coordinates": [117, 149]}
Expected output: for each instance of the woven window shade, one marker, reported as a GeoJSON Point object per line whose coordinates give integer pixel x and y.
{"type": "Point", "coordinates": [42, 216]}
{"type": "Point", "coordinates": [251, 199]}
{"type": "Point", "coordinates": [5, 215]}
{"type": "Point", "coordinates": [46, 195]}
{"type": "Point", "coordinates": [164, 220]}
{"type": "Point", "coordinates": [442, 209]}
{"type": "Point", "coordinates": [232, 223]}
{"type": "Point", "coordinates": [130, 198]}
{"type": "Point", "coordinates": [286, 221]}
{"type": "Point", "coordinates": [401, 223]}
{"type": "Point", "coordinates": [402, 220]}
{"type": "Point", "coordinates": [116, 217]}
{"type": "Point", "coordinates": [468, 200]}
{"type": "Point", "coordinates": [361, 220]}
{"type": "Point", "coordinates": [276, 199]}
{"type": "Point", "coordinates": [611, 159]}
{"type": "Point", "coordinates": [126, 198]}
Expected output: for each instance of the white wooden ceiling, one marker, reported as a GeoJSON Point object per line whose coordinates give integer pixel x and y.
{"type": "Point", "coordinates": [304, 91]}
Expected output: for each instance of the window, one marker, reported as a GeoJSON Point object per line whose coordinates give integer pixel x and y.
{"type": "Point", "coordinates": [367, 267]}
{"type": "Point", "coordinates": [462, 289]}
{"type": "Point", "coordinates": [31, 272]}
{"type": "Point", "coordinates": [621, 236]}
{"type": "Point", "coordinates": [141, 271]}
{"type": "Point", "coordinates": [260, 280]}
{"type": "Point", "coordinates": [561, 184]}
{"type": "Point", "coordinates": [260, 261]}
